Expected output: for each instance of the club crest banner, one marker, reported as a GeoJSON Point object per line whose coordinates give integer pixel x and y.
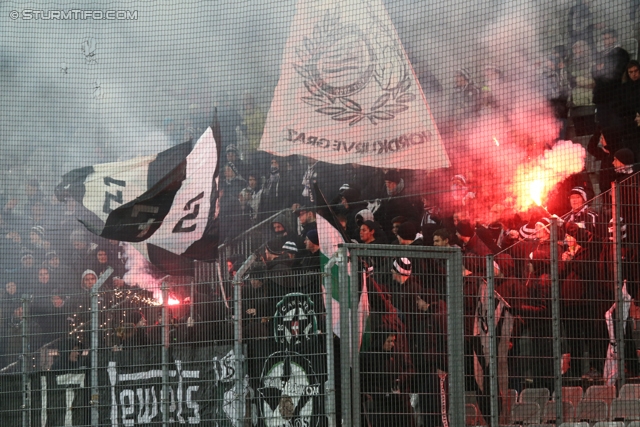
{"type": "Point", "coordinates": [348, 94]}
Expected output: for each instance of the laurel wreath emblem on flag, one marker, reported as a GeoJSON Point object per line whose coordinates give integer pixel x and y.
{"type": "Point", "coordinates": [339, 61]}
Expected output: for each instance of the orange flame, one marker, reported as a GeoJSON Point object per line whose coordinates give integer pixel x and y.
{"type": "Point", "coordinates": [535, 190]}
{"type": "Point", "coordinates": [171, 301]}
{"type": "Point", "coordinates": [536, 177]}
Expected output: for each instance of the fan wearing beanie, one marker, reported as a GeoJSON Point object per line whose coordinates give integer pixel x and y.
{"type": "Point", "coordinates": [306, 221]}
{"type": "Point", "coordinates": [397, 202]}
{"type": "Point", "coordinates": [424, 315]}
{"type": "Point", "coordinates": [624, 161]}
{"type": "Point", "coordinates": [408, 235]}
{"type": "Point", "coordinates": [581, 214]}
{"type": "Point", "coordinates": [311, 258]}
{"type": "Point", "coordinates": [404, 291]}
{"type": "Point", "coordinates": [472, 243]}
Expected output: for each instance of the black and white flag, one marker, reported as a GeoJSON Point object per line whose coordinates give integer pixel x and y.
{"type": "Point", "coordinates": [168, 201]}
{"type": "Point", "coordinates": [610, 372]}
{"type": "Point", "coordinates": [503, 319]}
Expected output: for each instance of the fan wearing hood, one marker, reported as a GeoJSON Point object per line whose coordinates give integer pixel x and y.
{"type": "Point", "coordinates": [397, 203]}
{"type": "Point", "coordinates": [465, 99]}
{"type": "Point", "coordinates": [277, 192]}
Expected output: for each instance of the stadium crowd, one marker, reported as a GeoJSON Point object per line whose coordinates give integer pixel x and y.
{"type": "Point", "coordinates": [46, 253]}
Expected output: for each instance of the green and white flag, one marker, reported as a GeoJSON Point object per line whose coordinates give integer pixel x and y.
{"type": "Point", "coordinates": [329, 238]}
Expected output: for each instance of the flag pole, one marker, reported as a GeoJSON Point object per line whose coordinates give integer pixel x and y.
{"type": "Point", "coordinates": [334, 217]}
{"type": "Point", "coordinates": [95, 396]}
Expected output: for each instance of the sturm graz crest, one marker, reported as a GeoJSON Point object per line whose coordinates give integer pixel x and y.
{"type": "Point", "coordinates": [295, 321]}
{"type": "Point", "coordinates": [290, 392]}
{"type": "Point", "coordinates": [353, 73]}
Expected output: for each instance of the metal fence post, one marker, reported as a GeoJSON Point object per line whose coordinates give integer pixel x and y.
{"type": "Point", "coordinates": [330, 387]}
{"type": "Point", "coordinates": [165, 354]}
{"type": "Point", "coordinates": [95, 328]}
{"type": "Point", "coordinates": [354, 342]}
{"type": "Point", "coordinates": [345, 338]}
{"type": "Point", "coordinates": [454, 320]}
{"type": "Point", "coordinates": [555, 319]}
{"type": "Point", "coordinates": [455, 340]}
{"type": "Point", "coordinates": [238, 342]}
{"type": "Point", "coordinates": [24, 366]}
{"type": "Point", "coordinates": [221, 281]}
{"type": "Point", "coordinates": [619, 280]}
{"type": "Point", "coordinates": [493, 348]}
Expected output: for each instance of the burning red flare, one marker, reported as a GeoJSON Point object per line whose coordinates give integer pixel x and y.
{"type": "Point", "coordinates": [533, 179]}
{"type": "Point", "coordinates": [171, 301]}
{"type": "Point", "coordinates": [536, 189]}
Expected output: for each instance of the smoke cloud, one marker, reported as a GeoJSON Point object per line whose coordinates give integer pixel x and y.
{"type": "Point", "coordinates": [83, 91]}
{"type": "Point", "coordinates": [140, 273]}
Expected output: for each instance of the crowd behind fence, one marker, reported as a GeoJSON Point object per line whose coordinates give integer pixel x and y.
{"type": "Point", "coordinates": [541, 332]}
{"type": "Point", "coordinates": [512, 317]}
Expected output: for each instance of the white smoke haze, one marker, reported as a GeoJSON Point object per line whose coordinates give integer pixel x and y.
{"type": "Point", "coordinates": [505, 144]}
{"type": "Point", "coordinates": [85, 91]}
{"type": "Point", "coordinates": [140, 273]}
{"type": "Point", "coordinates": [80, 92]}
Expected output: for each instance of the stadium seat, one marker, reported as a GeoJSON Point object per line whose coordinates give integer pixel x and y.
{"type": "Point", "coordinates": [609, 424]}
{"type": "Point", "coordinates": [629, 392]}
{"type": "Point", "coordinates": [601, 392]}
{"type": "Point", "coordinates": [592, 411]}
{"type": "Point", "coordinates": [625, 410]}
{"type": "Point", "coordinates": [572, 394]}
{"type": "Point", "coordinates": [537, 395]}
{"type": "Point", "coordinates": [472, 415]}
{"type": "Point", "coordinates": [525, 413]}
{"type": "Point", "coordinates": [583, 424]}
{"type": "Point", "coordinates": [549, 412]}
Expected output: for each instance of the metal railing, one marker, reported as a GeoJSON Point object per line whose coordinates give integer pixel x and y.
{"type": "Point", "coordinates": [555, 343]}
{"type": "Point", "coordinates": [240, 247]}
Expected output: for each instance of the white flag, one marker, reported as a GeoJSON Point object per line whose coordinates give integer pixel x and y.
{"type": "Point", "coordinates": [186, 221]}
{"type": "Point", "coordinates": [348, 94]}
{"type": "Point", "coordinates": [610, 372]}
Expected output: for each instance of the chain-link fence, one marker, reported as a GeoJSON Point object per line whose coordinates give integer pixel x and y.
{"type": "Point", "coordinates": [557, 343]}
{"type": "Point", "coordinates": [404, 335]}
{"type": "Point", "coordinates": [127, 360]}
{"type": "Point", "coordinates": [401, 336]}
{"type": "Point", "coordinates": [140, 136]}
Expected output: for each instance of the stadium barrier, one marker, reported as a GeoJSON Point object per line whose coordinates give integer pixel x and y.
{"type": "Point", "coordinates": [353, 344]}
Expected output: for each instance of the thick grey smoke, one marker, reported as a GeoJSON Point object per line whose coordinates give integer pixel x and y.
{"type": "Point", "coordinates": [493, 149]}
{"type": "Point", "coordinates": [77, 92]}
{"type": "Point", "coordinates": [82, 91]}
